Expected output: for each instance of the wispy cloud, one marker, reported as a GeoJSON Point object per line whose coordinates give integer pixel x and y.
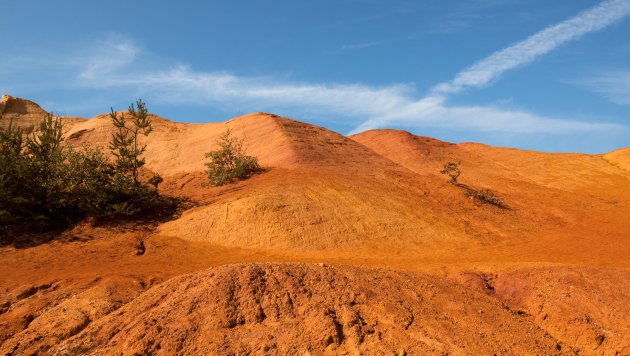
{"type": "Point", "coordinates": [541, 43]}
{"type": "Point", "coordinates": [184, 85]}
{"type": "Point", "coordinates": [430, 112]}
{"type": "Point", "coordinates": [361, 45]}
{"type": "Point", "coordinates": [115, 52]}
{"type": "Point", "coordinates": [614, 85]}
{"type": "Point", "coordinates": [117, 64]}
{"type": "Point", "coordinates": [433, 110]}
{"type": "Point", "coordinates": [384, 105]}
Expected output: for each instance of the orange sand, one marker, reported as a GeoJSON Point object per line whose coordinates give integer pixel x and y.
{"type": "Point", "coordinates": [549, 275]}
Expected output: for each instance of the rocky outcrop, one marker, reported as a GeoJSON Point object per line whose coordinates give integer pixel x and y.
{"type": "Point", "coordinates": [27, 114]}
{"type": "Point", "coordinates": [23, 113]}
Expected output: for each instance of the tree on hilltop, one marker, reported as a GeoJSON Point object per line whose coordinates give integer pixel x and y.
{"type": "Point", "coordinates": [125, 144]}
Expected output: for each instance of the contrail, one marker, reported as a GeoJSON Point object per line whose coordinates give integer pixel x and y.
{"type": "Point", "coordinates": [526, 51]}
{"type": "Point", "coordinates": [521, 53]}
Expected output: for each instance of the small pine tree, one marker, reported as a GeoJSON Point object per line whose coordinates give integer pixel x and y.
{"type": "Point", "coordinates": [125, 144]}
{"type": "Point", "coordinates": [90, 179]}
{"type": "Point", "coordinates": [11, 147]}
{"type": "Point", "coordinates": [44, 146]}
{"type": "Point", "coordinates": [33, 176]}
{"type": "Point", "coordinates": [229, 163]}
{"type": "Point", "coordinates": [452, 170]}
{"type": "Point", "coordinates": [49, 174]}
{"type": "Point", "coordinates": [13, 175]}
{"type": "Point", "coordinates": [132, 197]}
{"type": "Point", "coordinates": [11, 141]}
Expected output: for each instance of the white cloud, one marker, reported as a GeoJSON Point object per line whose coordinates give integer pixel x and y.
{"type": "Point", "coordinates": [183, 85]}
{"type": "Point", "coordinates": [117, 65]}
{"type": "Point", "coordinates": [614, 85]}
{"type": "Point", "coordinates": [115, 53]}
{"type": "Point", "coordinates": [390, 105]}
{"type": "Point", "coordinates": [352, 46]}
{"type": "Point", "coordinates": [528, 50]}
{"type": "Point", "coordinates": [432, 111]}
{"type": "Point", "coordinates": [482, 118]}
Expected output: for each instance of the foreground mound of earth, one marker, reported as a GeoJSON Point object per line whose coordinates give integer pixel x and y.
{"type": "Point", "coordinates": [282, 308]}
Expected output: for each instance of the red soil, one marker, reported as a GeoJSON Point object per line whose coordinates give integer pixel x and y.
{"type": "Point", "coordinates": [411, 264]}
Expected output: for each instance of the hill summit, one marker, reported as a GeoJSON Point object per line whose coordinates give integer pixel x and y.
{"type": "Point", "coordinates": [23, 113]}
{"type": "Point", "coordinates": [27, 114]}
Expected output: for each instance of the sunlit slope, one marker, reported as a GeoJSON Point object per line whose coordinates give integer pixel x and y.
{"type": "Point", "coordinates": [378, 191]}
{"type": "Point", "coordinates": [573, 199]}
{"type": "Point", "coordinates": [328, 192]}
{"type": "Point", "coordinates": [619, 158]}
{"type": "Point", "coordinates": [174, 148]}
{"type": "Point", "coordinates": [488, 165]}
{"type": "Point", "coordinates": [26, 114]}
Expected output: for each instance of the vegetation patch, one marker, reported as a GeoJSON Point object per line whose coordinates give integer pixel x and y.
{"type": "Point", "coordinates": [485, 196]}
{"type": "Point", "coordinates": [229, 163]}
{"type": "Point", "coordinates": [45, 186]}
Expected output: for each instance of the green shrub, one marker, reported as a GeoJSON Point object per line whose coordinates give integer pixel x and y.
{"type": "Point", "coordinates": [46, 186]}
{"type": "Point", "coordinates": [229, 163]}
{"type": "Point", "coordinates": [485, 196]}
{"type": "Point", "coordinates": [90, 179]}
{"type": "Point", "coordinates": [14, 172]}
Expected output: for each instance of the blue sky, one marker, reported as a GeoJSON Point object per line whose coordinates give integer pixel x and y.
{"type": "Point", "coordinates": [543, 75]}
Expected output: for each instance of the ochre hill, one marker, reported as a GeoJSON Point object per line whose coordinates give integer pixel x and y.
{"type": "Point", "coordinates": [485, 164]}
{"type": "Point", "coordinates": [373, 250]}
{"type": "Point", "coordinates": [322, 191]}
{"type": "Point", "coordinates": [586, 198]}
{"type": "Point", "coordinates": [26, 114]}
{"type": "Point", "coordinates": [174, 148]}
{"type": "Point", "coordinates": [619, 158]}
{"type": "Point", "coordinates": [378, 192]}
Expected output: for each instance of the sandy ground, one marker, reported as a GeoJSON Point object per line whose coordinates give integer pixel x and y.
{"type": "Point", "coordinates": [345, 245]}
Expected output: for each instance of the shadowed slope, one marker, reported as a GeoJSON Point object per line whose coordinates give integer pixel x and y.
{"type": "Point", "coordinates": [574, 176]}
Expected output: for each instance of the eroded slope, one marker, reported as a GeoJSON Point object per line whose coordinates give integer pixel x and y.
{"type": "Point", "coordinates": [292, 308]}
